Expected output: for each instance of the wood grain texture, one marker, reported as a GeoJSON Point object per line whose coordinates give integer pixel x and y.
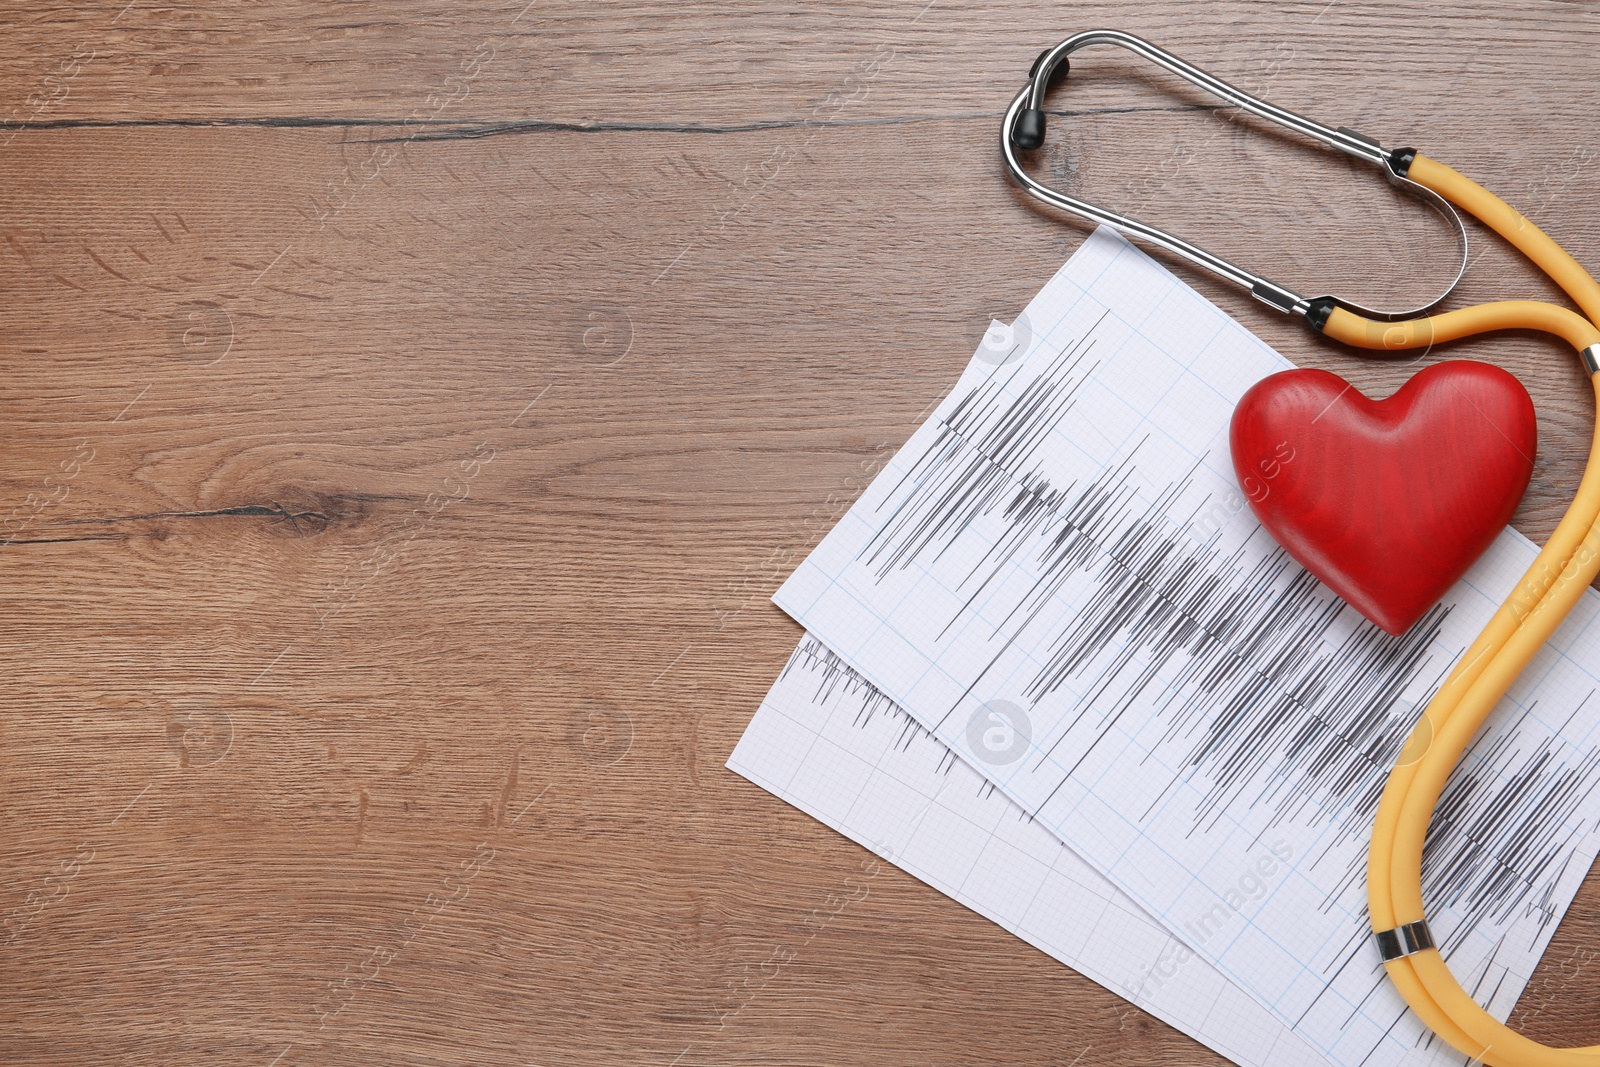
{"type": "Point", "coordinates": [409, 408]}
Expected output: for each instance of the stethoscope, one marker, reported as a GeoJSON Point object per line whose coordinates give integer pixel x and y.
{"type": "Point", "coordinates": [1565, 567]}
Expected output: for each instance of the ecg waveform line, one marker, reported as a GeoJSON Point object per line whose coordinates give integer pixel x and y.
{"type": "Point", "coordinates": [833, 676]}
{"type": "Point", "coordinates": [1274, 693]}
{"type": "Point", "coordinates": [1503, 771]}
{"type": "Point", "coordinates": [1002, 445]}
{"type": "Point", "coordinates": [1022, 879]}
{"type": "Point", "coordinates": [1473, 853]}
{"type": "Point", "coordinates": [1468, 853]}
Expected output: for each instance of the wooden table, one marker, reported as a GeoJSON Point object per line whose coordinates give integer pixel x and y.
{"type": "Point", "coordinates": [409, 408]}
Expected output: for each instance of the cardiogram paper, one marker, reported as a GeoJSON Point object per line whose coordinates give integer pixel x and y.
{"type": "Point", "coordinates": [1058, 577]}
{"type": "Point", "coordinates": [829, 743]}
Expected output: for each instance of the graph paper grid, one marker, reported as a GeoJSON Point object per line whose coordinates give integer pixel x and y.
{"type": "Point", "coordinates": [827, 742]}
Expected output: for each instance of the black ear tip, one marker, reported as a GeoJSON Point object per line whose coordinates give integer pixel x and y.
{"type": "Point", "coordinates": [1028, 133]}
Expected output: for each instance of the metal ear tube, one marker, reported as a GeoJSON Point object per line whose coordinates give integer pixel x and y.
{"type": "Point", "coordinates": [1024, 128]}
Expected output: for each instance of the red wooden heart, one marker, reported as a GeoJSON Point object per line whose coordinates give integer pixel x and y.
{"type": "Point", "coordinates": [1388, 502]}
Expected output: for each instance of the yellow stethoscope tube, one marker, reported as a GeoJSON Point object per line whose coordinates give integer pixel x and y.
{"type": "Point", "coordinates": [1564, 568]}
